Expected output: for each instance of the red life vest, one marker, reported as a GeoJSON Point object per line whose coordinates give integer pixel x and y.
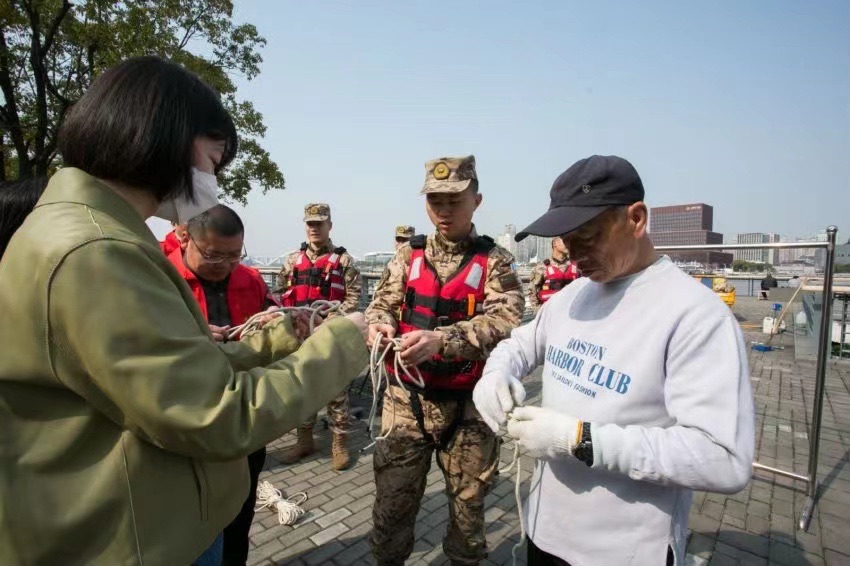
{"type": "Point", "coordinates": [313, 280]}
{"type": "Point", "coordinates": [556, 279]}
{"type": "Point", "coordinates": [246, 291]}
{"type": "Point", "coordinates": [169, 244]}
{"type": "Point", "coordinates": [429, 303]}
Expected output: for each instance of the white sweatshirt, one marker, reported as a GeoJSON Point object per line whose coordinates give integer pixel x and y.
{"type": "Point", "coordinates": [657, 363]}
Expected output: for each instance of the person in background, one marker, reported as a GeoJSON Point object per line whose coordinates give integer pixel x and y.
{"type": "Point", "coordinates": [228, 293]}
{"type": "Point", "coordinates": [403, 235]}
{"type": "Point", "coordinates": [646, 388]}
{"type": "Point", "coordinates": [174, 239]}
{"type": "Point", "coordinates": [321, 271]}
{"type": "Point", "coordinates": [17, 199]}
{"type": "Point", "coordinates": [117, 408]}
{"type": "Point", "coordinates": [551, 275]}
{"type": "Point", "coordinates": [768, 283]}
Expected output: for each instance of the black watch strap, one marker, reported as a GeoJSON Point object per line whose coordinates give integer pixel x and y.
{"type": "Point", "coordinates": [584, 449]}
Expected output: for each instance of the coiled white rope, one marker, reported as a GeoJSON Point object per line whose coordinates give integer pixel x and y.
{"type": "Point", "coordinates": [517, 462]}
{"type": "Point", "coordinates": [379, 376]}
{"type": "Point", "coordinates": [288, 510]}
{"type": "Point", "coordinates": [317, 310]}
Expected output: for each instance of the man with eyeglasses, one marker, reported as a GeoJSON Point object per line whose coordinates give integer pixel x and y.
{"type": "Point", "coordinates": [646, 388]}
{"type": "Point", "coordinates": [403, 235]}
{"type": "Point", "coordinates": [321, 271]}
{"type": "Point", "coordinates": [229, 293]}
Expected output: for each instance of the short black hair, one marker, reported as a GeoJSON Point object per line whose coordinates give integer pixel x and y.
{"type": "Point", "coordinates": [137, 124]}
{"type": "Point", "coordinates": [220, 220]}
{"type": "Point", "coordinates": [17, 199]}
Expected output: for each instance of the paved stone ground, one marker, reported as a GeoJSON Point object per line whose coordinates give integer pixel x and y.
{"type": "Point", "coordinates": [755, 526]}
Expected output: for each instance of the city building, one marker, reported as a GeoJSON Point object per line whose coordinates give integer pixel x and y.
{"type": "Point", "coordinates": [687, 225]}
{"type": "Point", "coordinates": [842, 254]}
{"type": "Point", "coordinates": [758, 256]}
{"type": "Point", "coordinates": [506, 239]}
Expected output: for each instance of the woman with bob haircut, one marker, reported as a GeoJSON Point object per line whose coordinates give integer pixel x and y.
{"type": "Point", "coordinates": [123, 427]}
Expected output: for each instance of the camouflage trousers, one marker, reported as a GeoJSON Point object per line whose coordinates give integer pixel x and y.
{"type": "Point", "coordinates": [339, 414]}
{"type": "Point", "coordinates": [468, 461]}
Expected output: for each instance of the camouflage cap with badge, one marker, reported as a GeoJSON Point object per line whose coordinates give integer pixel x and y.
{"type": "Point", "coordinates": [449, 174]}
{"type": "Point", "coordinates": [406, 232]}
{"type": "Point", "coordinates": [317, 212]}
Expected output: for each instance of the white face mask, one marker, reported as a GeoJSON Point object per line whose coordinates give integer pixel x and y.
{"type": "Point", "coordinates": [181, 209]}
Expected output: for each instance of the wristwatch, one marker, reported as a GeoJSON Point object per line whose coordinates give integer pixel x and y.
{"type": "Point", "coordinates": [584, 448]}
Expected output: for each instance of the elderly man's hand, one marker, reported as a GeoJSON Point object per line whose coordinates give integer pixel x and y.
{"type": "Point", "coordinates": [219, 332]}
{"type": "Point", "coordinates": [545, 433]}
{"type": "Point", "coordinates": [301, 324]}
{"type": "Point", "coordinates": [496, 394]}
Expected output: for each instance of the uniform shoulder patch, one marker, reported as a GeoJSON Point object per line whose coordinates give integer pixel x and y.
{"type": "Point", "coordinates": [509, 281]}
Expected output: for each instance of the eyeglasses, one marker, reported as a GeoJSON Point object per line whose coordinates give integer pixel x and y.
{"type": "Point", "coordinates": [218, 258]}
{"type": "Point", "coordinates": [401, 240]}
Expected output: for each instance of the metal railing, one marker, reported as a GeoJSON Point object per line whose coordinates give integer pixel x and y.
{"type": "Point", "coordinates": [823, 352]}
{"type": "Point", "coordinates": [369, 280]}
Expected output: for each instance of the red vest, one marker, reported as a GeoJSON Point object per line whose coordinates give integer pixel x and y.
{"type": "Point", "coordinates": [429, 303]}
{"type": "Point", "coordinates": [313, 280]}
{"type": "Point", "coordinates": [169, 244]}
{"type": "Point", "coordinates": [246, 290]}
{"type": "Point", "coordinates": [556, 279]}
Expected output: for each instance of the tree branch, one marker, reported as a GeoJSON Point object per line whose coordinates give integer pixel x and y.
{"type": "Point", "coordinates": [11, 118]}
{"type": "Point", "coordinates": [190, 31]}
{"type": "Point", "coordinates": [54, 26]}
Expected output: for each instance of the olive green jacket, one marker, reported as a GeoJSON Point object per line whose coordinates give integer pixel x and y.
{"type": "Point", "coordinates": [123, 427]}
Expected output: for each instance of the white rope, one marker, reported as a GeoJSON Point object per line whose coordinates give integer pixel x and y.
{"type": "Point", "coordinates": [288, 510]}
{"type": "Point", "coordinates": [317, 310]}
{"type": "Point", "coordinates": [379, 375]}
{"type": "Point", "coordinates": [516, 461]}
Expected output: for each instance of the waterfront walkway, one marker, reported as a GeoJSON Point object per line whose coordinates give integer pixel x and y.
{"type": "Point", "coordinates": [756, 526]}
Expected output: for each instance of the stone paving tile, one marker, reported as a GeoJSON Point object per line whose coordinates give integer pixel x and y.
{"type": "Point", "coordinates": [755, 526]}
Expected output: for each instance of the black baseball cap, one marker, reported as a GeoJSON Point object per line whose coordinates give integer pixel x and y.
{"type": "Point", "coordinates": [584, 191]}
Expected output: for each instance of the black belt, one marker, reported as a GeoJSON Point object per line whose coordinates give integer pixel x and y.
{"type": "Point", "coordinates": [448, 435]}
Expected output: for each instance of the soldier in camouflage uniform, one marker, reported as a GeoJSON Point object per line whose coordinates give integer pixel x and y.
{"type": "Point", "coordinates": [441, 417]}
{"type": "Point", "coordinates": [560, 261]}
{"type": "Point", "coordinates": [403, 235]}
{"type": "Point", "coordinates": [333, 276]}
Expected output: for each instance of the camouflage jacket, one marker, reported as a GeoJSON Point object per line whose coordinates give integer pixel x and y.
{"type": "Point", "coordinates": [349, 272]}
{"type": "Point", "coordinates": [469, 339]}
{"type": "Point", "coordinates": [538, 276]}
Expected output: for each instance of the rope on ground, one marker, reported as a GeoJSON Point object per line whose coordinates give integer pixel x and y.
{"type": "Point", "coordinates": [317, 310]}
{"type": "Point", "coordinates": [380, 376]}
{"type": "Point", "coordinates": [289, 510]}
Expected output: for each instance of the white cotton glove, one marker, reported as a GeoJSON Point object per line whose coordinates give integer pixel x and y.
{"type": "Point", "coordinates": [495, 395]}
{"type": "Point", "coordinates": [544, 433]}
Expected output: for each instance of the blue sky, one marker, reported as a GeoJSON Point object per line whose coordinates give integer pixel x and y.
{"type": "Point", "coordinates": [742, 105]}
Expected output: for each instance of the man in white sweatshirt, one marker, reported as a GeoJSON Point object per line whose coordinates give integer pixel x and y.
{"type": "Point", "coordinates": [646, 392]}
